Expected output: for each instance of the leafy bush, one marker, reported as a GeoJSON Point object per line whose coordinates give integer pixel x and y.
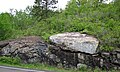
{"type": "Point", "coordinates": [92, 17]}
{"type": "Point", "coordinates": [10, 60]}
{"type": "Point", "coordinates": [5, 26]}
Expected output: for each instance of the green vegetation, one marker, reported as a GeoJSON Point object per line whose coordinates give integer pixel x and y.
{"type": "Point", "coordinates": [15, 62]}
{"type": "Point", "coordinates": [41, 9]}
{"type": "Point", "coordinates": [93, 18]}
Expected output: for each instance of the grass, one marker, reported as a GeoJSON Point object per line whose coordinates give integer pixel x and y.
{"type": "Point", "coordinates": [16, 62]}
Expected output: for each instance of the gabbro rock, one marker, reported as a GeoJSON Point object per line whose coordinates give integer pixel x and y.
{"type": "Point", "coordinates": [70, 50]}
{"type": "Point", "coordinates": [29, 49]}
{"type": "Point", "coordinates": [74, 41]}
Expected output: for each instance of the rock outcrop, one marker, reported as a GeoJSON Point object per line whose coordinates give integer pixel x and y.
{"type": "Point", "coordinates": [29, 49]}
{"type": "Point", "coordinates": [75, 41]}
{"type": "Point", "coordinates": [64, 51]}
{"type": "Point", "coordinates": [80, 50]}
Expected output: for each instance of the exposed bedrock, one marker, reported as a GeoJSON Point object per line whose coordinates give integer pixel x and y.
{"type": "Point", "coordinates": [68, 50]}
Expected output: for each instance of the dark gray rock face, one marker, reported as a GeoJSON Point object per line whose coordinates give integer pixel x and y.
{"type": "Point", "coordinates": [32, 49]}
{"type": "Point", "coordinates": [29, 49]}
{"type": "Point", "coordinates": [70, 59]}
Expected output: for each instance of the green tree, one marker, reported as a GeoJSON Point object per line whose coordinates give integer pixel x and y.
{"type": "Point", "coordinates": [22, 20]}
{"type": "Point", "coordinates": [97, 19]}
{"type": "Point", "coordinates": [5, 26]}
{"type": "Point", "coordinates": [43, 8]}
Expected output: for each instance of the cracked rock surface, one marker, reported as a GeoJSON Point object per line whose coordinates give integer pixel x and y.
{"type": "Point", "coordinates": [74, 41]}
{"type": "Point", "coordinates": [67, 50]}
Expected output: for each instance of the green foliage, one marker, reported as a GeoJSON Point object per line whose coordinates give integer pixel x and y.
{"type": "Point", "coordinates": [46, 4]}
{"type": "Point", "coordinates": [10, 60]}
{"type": "Point", "coordinates": [22, 20]}
{"type": "Point", "coordinates": [42, 9]}
{"type": "Point", "coordinates": [91, 17]}
{"type": "Point", "coordinates": [97, 19]}
{"type": "Point", "coordinates": [12, 26]}
{"type": "Point", "coordinates": [5, 26]}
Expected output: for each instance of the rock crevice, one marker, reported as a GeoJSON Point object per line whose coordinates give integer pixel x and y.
{"type": "Point", "coordinates": [60, 52]}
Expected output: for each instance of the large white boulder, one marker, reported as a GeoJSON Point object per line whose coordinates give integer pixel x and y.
{"type": "Point", "coordinates": [74, 41]}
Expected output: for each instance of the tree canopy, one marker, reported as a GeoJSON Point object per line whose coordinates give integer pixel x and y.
{"type": "Point", "coordinates": [92, 17]}
{"type": "Point", "coordinates": [42, 8]}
